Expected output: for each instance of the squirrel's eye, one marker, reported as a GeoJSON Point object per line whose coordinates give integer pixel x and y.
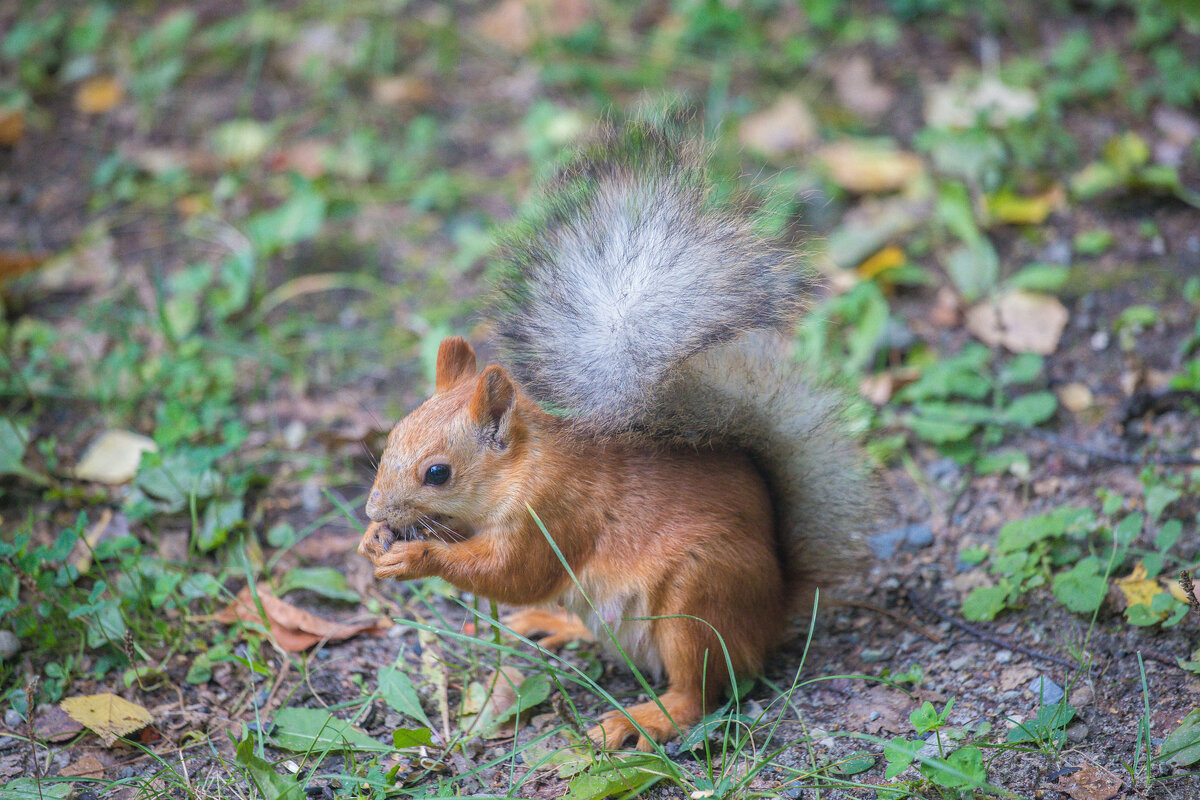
{"type": "Point", "coordinates": [437, 474]}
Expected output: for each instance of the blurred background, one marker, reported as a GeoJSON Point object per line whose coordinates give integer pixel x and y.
{"type": "Point", "coordinates": [233, 233]}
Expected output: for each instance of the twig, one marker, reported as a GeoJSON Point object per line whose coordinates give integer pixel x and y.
{"type": "Point", "coordinates": [887, 612]}
{"type": "Point", "coordinates": [916, 601]}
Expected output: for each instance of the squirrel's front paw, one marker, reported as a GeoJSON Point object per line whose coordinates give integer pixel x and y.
{"type": "Point", "coordinates": [404, 561]}
{"type": "Point", "coordinates": [376, 541]}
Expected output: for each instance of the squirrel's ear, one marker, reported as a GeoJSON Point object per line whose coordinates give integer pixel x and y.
{"type": "Point", "coordinates": [492, 404]}
{"type": "Point", "coordinates": [455, 361]}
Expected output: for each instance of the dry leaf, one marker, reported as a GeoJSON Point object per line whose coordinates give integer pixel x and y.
{"type": "Point", "coordinates": [86, 766]}
{"type": "Point", "coordinates": [113, 457]}
{"type": "Point", "coordinates": [402, 90]}
{"type": "Point", "coordinates": [784, 128]}
{"type": "Point", "coordinates": [1137, 588]}
{"type": "Point", "coordinates": [868, 169]}
{"type": "Point", "coordinates": [961, 105]}
{"type": "Point", "coordinates": [1023, 322]}
{"type": "Point", "coordinates": [1075, 397]}
{"type": "Point", "coordinates": [107, 715]}
{"type": "Point", "coordinates": [947, 310]}
{"type": "Point", "coordinates": [514, 24]}
{"type": "Point", "coordinates": [1089, 783]}
{"type": "Point", "coordinates": [878, 389]}
{"type": "Point", "coordinates": [98, 95]}
{"type": "Point", "coordinates": [13, 264]}
{"type": "Point", "coordinates": [294, 629]}
{"type": "Point", "coordinates": [1018, 210]}
{"type": "Point", "coordinates": [81, 554]}
{"type": "Point", "coordinates": [12, 126]}
{"type": "Point", "coordinates": [52, 724]}
{"type": "Point", "coordinates": [856, 88]}
{"type": "Point", "coordinates": [889, 257]}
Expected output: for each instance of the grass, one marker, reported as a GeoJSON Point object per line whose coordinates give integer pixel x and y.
{"type": "Point", "coordinates": [241, 233]}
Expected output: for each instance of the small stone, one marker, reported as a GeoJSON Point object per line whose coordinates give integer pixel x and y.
{"type": "Point", "coordinates": [1077, 733]}
{"type": "Point", "coordinates": [13, 719]}
{"type": "Point", "coordinates": [1082, 697]}
{"type": "Point", "coordinates": [958, 664]}
{"type": "Point", "coordinates": [1046, 690]}
{"type": "Point", "coordinates": [909, 537]}
{"type": "Point", "coordinates": [1004, 656]}
{"type": "Point", "coordinates": [1099, 341]}
{"type": "Point", "coordinates": [871, 656]}
{"type": "Point", "coordinates": [10, 645]}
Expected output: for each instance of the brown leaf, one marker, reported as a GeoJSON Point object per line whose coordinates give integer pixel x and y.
{"type": "Point", "coordinates": [294, 629]}
{"type": "Point", "coordinates": [784, 128]}
{"type": "Point", "coordinates": [515, 24]}
{"type": "Point", "coordinates": [52, 724]}
{"type": "Point", "coordinates": [14, 264]}
{"type": "Point", "coordinates": [86, 766]}
{"type": "Point", "coordinates": [1023, 322]}
{"type": "Point", "coordinates": [98, 95]}
{"type": "Point", "coordinates": [868, 169]}
{"type": "Point", "coordinates": [12, 126]}
{"type": "Point", "coordinates": [1089, 783]}
{"type": "Point", "coordinates": [858, 90]}
{"type": "Point", "coordinates": [402, 90]}
{"type": "Point", "coordinates": [107, 715]}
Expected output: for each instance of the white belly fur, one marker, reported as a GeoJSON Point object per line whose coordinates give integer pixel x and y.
{"type": "Point", "coordinates": [619, 610]}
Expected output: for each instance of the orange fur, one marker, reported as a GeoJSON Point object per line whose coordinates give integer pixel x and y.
{"type": "Point", "coordinates": [648, 533]}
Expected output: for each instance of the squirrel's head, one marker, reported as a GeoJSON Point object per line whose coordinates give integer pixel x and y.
{"type": "Point", "coordinates": [447, 465]}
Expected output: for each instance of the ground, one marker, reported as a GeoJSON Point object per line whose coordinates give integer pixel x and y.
{"type": "Point", "coordinates": [241, 232]}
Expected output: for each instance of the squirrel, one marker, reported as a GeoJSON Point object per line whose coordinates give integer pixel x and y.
{"type": "Point", "coordinates": [649, 413]}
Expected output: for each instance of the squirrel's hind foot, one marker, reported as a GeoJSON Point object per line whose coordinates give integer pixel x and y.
{"type": "Point", "coordinates": [684, 709]}
{"type": "Point", "coordinates": [560, 626]}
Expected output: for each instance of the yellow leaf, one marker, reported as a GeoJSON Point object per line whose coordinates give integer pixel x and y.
{"type": "Point", "coordinates": [867, 169]}
{"type": "Point", "coordinates": [1177, 591]}
{"type": "Point", "coordinates": [98, 95]}
{"type": "Point", "coordinates": [889, 257]}
{"type": "Point", "coordinates": [1136, 588]}
{"type": "Point", "coordinates": [113, 457]}
{"type": "Point", "coordinates": [1015, 209]}
{"type": "Point", "coordinates": [107, 715]}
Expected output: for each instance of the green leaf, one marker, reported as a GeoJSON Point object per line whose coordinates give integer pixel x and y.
{"type": "Point", "coordinates": [305, 730]}
{"type": "Point", "coordinates": [300, 217]}
{"type": "Point", "coordinates": [1031, 409]}
{"type": "Point", "coordinates": [12, 447]}
{"type": "Point", "coordinates": [325, 581]}
{"type": "Point", "coordinates": [1181, 748]}
{"type": "Point", "coordinates": [220, 517]}
{"type": "Point", "coordinates": [1081, 588]}
{"type": "Point", "coordinates": [532, 691]}
{"type": "Point", "coordinates": [270, 783]}
{"type": "Point", "coordinates": [1139, 614]}
{"type": "Point", "coordinates": [900, 753]}
{"type": "Point", "coordinates": [1040, 278]}
{"type": "Point", "coordinates": [1128, 529]}
{"type": "Point", "coordinates": [963, 767]}
{"type": "Point", "coordinates": [398, 691]}
{"type": "Point", "coordinates": [1023, 368]}
{"type": "Point", "coordinates": [940, 431]}
{"type": "Point", "coordinates": [412, 737]}
{"type": "Point", "coordinates": [974, 268]}
{"type": "Point", "coordinates": [1046, 726]}
{"type": "Point", "coordinates": [1020, 534]}
{"type": "Point", "coordinates": [853, 764]}
{"type": "Point", "coordinates": [984, 603]}
{"type": "Point", "coordinates": [1158, 497]}
{"type": "Point", "coordinates": [927, 718]}
{"type": "Point", "coordinates": [1168, 535]}
{"type": "Point", "coordinates": [29, 789]}
{"type": "Point", "coordinates": [629, 775]}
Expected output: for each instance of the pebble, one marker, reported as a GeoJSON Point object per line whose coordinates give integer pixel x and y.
{"type": "Point", "coordinates": [1057, 252]}
{"type": "Point", "coordinates": [871, 656]}
{"type": "Point", "coordinates": [908, 537]}
{"type": "Point", "coordinates": [1077, 733]}
{"type": "Point", "coordinates": [1099, 341]}
{"type": "Point", "coordinates": [1046, 690]}
{"type": "Point", "coordinates": [1003, 656]}
{"type": "Point", "coordinates": [13, 719]}
{"type": "Point", "coordinates": [945, 471]}
{"type": "Point", "coordinates": [1082, 697]}
{"type": "Point", "coordinates": [10, 645]}
{"type": "Point", "coordinates": [959, 663]}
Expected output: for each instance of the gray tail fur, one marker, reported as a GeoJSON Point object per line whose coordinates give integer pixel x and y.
{"type": "Point", "coordinates": [640, 305]}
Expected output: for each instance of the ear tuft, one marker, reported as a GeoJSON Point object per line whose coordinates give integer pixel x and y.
{"type": "Point", "coordinates": [492, 403]}
{"type": "Point", "coordinates": [455, 362]}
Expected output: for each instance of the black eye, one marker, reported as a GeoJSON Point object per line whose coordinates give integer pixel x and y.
{"type": "Point", "coordinates": [437, 474]}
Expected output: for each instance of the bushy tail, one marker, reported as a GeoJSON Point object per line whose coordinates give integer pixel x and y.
{"type": "Point", "coordinates": [640, 304]}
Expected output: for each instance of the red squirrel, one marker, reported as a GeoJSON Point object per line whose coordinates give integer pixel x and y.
{"type": "Point", "coordinates": [650, 415]}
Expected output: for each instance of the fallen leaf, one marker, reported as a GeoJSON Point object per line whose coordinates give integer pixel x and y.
{"type": "Point", "coordinates": [858, 90]}
{"type": "Point", "coordinates": [14, 264]}
{"type": "Point", "coordinates": [86, 766]}
{"type": "Point", "coordinates": [113, 457]}
{"type": "Point", "coordinates": [868, 227]}
{"type": "Point", "coordinates": [107, 715]}
{"type": "Point", "coordinates": [1023, 322]}
{"type": "Point", "coordinates": [98, 95]}
{"type": "Point", "coordinates": [240, 141]}
{"type": "Point", "coordinates": [947, 309]}
{"type": "Point", "coordinates": [81, 554]}
{"type": "Point", "coordinates": [52, 724]}
{"type": "Point", "coordinates": [1089, 783]}
{"type": "Point", "coordinates": [870, 169]}
{"type": "Point", "coordinates": [1075, 397]}
{"type": "Point", "coordinates": [889, 257]}
{"type": "Point", "coordinates": [12, 126]}
{"type": "Point", "coordinates": [1025, 210]}
{"type": "Point", "coordinates": [1015, 677]}
{"type": "Point", "coordinates": [402, 90]}
{"type": "Point", "coordinates": [885, 709]}
{"type": "Point", "coordinates": [878, 389]}
{"type": "Point", "coordinates": [962, 104]}
{"type": "Point", "coordinates": [294, 629]}
{"type": "Point", "coordinates": [309, 157]}
{"type": "Point", "coordinates": [1137, 588]}
{"type": "Point", "coordinates": [784, 128]}
{"type": "Point", "coordinates": [515, 24]}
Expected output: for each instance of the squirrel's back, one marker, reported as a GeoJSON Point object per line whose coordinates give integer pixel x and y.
{"type": "Point", "coordinates": [643, 305]}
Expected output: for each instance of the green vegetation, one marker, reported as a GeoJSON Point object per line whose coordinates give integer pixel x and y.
{"type": "Point", "coordinates": [239, 231]}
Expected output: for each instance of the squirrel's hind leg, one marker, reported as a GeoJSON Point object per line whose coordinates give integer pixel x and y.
{"type": "Point", "coordinates": [560, 626]}
{"type": "Point", "coordinates": [684, 707]}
